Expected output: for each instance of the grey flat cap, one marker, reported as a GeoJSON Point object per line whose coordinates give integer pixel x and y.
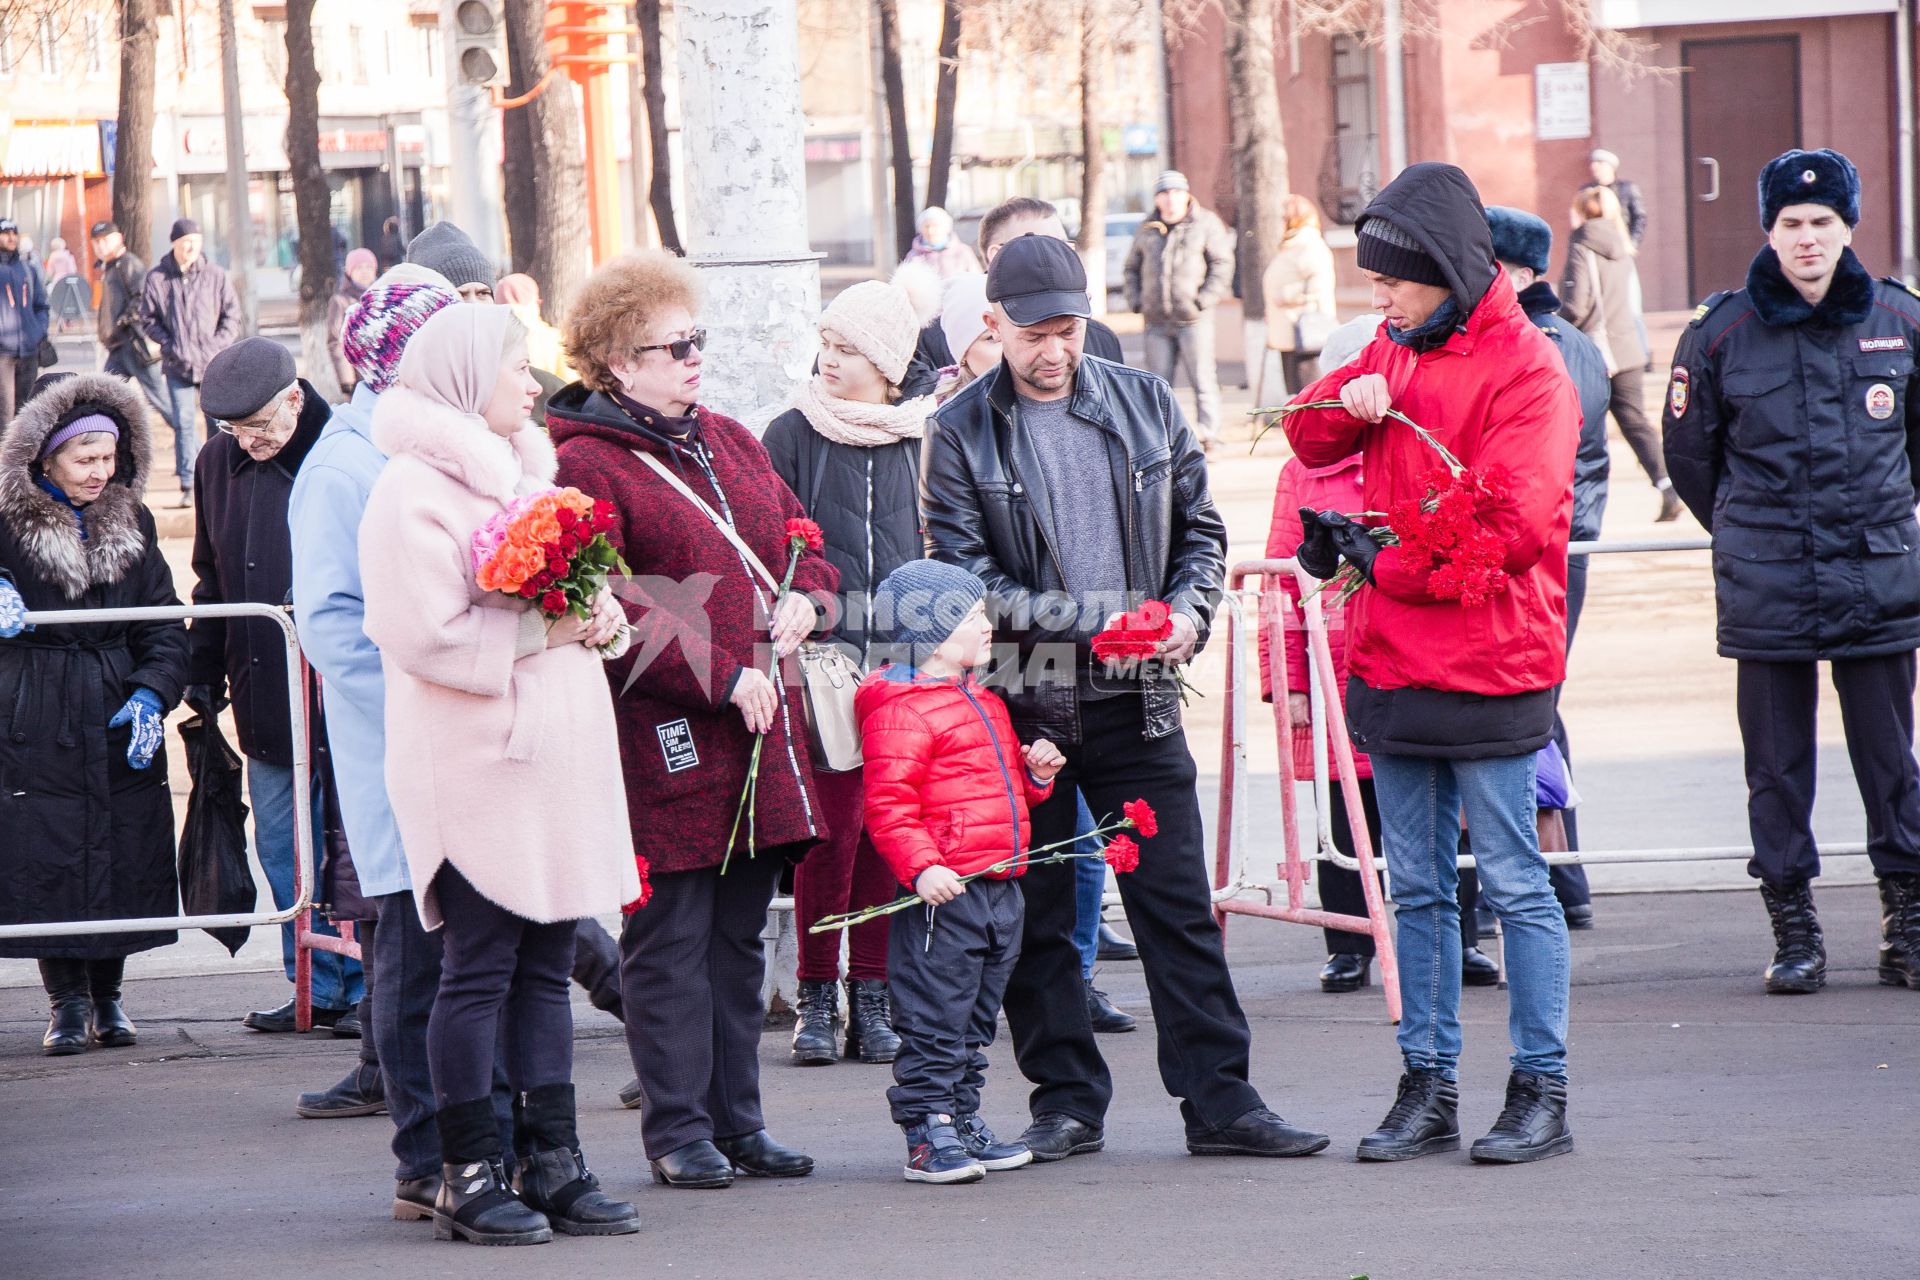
{"type": "Point", "coordinates": [240, 380]}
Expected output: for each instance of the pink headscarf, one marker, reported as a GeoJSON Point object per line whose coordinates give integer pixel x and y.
{"type": "Point", "coordinates": [517, 290]}
{"type": "Point", "coordinates": [456, 356]}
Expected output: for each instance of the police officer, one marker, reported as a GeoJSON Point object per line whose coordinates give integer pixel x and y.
{"type": "Point", "coordinates": [1792, 426]}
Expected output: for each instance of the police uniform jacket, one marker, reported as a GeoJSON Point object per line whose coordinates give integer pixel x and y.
{"type": "Point", "coordinates": [1791, 434]}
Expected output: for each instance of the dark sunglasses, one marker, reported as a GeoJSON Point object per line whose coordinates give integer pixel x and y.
{"type": "Point", "coordinates": [679, 348]}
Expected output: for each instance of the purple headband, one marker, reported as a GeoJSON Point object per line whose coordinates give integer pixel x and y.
{"type": "Point", "coordinates": [85, 424]}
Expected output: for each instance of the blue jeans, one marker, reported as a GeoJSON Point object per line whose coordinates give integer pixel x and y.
{"type": "Point", "coordinates": [1089, 887]}
{"type": "Point", "coordinates": [185, 397]}
{"type": "Point", "coordinates": [1421, 800]}
{"type": "Point", "coordinates": [121, 362]}
{"type": "Point", "coordinates": [336, 979]}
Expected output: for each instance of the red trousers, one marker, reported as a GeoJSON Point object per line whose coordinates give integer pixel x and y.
{"type": "Point", "coordinates": [844, 874]}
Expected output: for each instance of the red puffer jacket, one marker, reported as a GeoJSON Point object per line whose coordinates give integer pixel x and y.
{"type": "Point", "coordinates": [945, 781]}
{"type": "Point", "coordinates": [1496, 395]}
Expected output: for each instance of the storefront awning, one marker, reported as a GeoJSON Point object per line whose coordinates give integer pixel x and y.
{"type": "Point", "coordinates": [50, 150]}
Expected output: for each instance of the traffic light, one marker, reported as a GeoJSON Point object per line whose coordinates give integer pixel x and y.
{"type": "Point", "coordinates": [478, 57]}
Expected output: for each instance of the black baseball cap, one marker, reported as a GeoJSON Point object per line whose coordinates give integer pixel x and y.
{"type": "Point", "coordinates": [104, 227]}
{"type": "Point", "coordinates": [1036, 278]}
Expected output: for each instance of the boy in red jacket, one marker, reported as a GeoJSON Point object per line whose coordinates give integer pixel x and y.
{"type": "Point", "coordinates": [947, 793]}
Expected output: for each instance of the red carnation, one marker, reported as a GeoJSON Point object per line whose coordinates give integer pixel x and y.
{"type": "Point", "coordinates": [1154, 614]}
{"type": "Point", "coordinates": [646, 886]}
{"type": "Point", "coordinates": [554, 602]}
{"type": "Point", "coordinates": [1141, 815]}
{"type": "Point", "coordinates": [604, 515]}
{"type": "Point", "coordinates": [807, 532]}
{"type": "Point", "coordinates": [1123, 854]}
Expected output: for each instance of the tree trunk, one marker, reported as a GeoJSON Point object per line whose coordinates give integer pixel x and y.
{"type": "Point", "coordinates": [518, 164]}
{"type": "Point", "coordinates": [1094, 41]}
{"type": "Point", "coordinates": [659, 159]}
{"type": "Point", "coordinates": [1259, 146]}
{"type": "Point", "coordinates": [310, 201]}
{"type": "Point", "coordinates": [133, 142]}
{"type": "Point", "coordinates": [904, 208]}
{"type": "Point", "coordinates": [559, 243]}
{"type": "Point", "coordinates": [946, 91]}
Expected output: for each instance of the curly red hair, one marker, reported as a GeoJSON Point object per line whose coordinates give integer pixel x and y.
{"type": "Point", "coordinates": [618, 303]}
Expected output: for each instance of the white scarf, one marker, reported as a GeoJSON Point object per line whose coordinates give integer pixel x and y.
{"type": "Point", "coordinates": [857, 423]}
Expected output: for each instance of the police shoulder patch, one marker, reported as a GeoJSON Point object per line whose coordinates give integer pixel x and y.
{"type": "Point", "coordinates": [1679, 391]}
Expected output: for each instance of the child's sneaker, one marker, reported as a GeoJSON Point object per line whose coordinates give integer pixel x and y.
{"type": "Point", "coordinates": [980, 1143]}
{"type": "Point", "coordinates": [935, 1153]}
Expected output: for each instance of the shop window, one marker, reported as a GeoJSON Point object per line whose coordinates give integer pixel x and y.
{"type": "Point", "coordinates": [47, 40]}
{"type": "Point", "coordinates": [357, 53]}
{"type": "Point", "coordinates": [94, 41]}
{"type": "Point", "coordinates": [1350, 170]}
{"type": "Point", "coordinates": [273, 47]}
{"type": "Point", "coordinates": [428, 36]}
{"type": "Point", "coordinates": [6, 47]}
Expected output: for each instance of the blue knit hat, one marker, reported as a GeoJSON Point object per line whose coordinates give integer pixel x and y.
{"type": "Point", "coordinates": [921, 604]}
{"type": "Point", "coordinates": [1810, 177]}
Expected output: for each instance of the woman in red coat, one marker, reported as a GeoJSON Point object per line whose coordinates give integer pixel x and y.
{"type": "Point", "coordinates": [698, 686]}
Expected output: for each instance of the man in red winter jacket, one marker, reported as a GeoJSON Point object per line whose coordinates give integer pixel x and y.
{"type": "Point", "coordinates": [1452, 700]}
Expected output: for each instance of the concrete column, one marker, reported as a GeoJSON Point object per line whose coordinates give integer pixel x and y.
{"type": "Point", "coordinates": [746, 200]}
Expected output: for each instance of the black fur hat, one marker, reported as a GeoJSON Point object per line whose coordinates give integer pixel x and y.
{"type": "Point", "coordinates": [1810, 177]}
{"type": "Point", "coordinates": [1521, 238]}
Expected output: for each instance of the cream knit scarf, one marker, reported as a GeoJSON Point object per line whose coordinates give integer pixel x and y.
{"type": "Point", "coordinates": [854, 422]}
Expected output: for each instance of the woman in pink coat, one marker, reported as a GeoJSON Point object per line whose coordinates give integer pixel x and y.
{"type": "Point", "coordinates": [504, 772]}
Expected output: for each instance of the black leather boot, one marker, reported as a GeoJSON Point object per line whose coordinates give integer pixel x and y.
{"type": "Point", "coordinates": [69, 1005]}
{"type": "Point", "coordinates": [414, 1198]}
{"type": "Point", "coordinates": [553, 1176]}
{"type": "Point", "coordinates": [1346, 971]}
{"type": "Point", "coordinates": [1478, 969]}
{"type": "Point", "coordinates": [816, 1033]}
{"type": "Point", "coordinates": [475, 1202]}
{"type": "Point", "coordinates": [870, 1033]}
{"type": "Point", "coordinates": [1900, 931]}
{"type": "Point", "coordinates": [1424, 1118]}
{"type": "Point", "coordinates": [360, 1092]}
{"type": "Point", "coordinates": [1101, 1014]}
{"type": "Point", "coordinates": [1799, 951]}
{"type": "Point", "coordinates": [111, 1027]}
{"type": "Point", "coordinates": [1532, 1126]}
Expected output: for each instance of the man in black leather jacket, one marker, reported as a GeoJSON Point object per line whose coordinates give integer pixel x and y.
{"type": "Point", "coordinates": [1075, 490]}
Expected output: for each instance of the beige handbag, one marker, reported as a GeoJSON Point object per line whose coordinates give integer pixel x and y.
{"type": "Point", "coordinates": [829, 677]}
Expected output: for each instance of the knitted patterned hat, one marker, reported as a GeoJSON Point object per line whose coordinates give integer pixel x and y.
{"type": "Point", "coordinates": [378, 327]}
{"type": "Point", "coordinates": [878, 321]}
{"type": "Point", "coordinates": [920, 604]}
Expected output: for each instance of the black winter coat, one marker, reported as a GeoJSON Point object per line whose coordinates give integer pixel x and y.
{"type": "Point", "coordinates": [1588, 369]}
{"type": "Point", "coordinates": [242, 551]}
{"type": "Point", "coordinates": [83, 835]}
{"type": "Point", "coordinates": [867, 504]}
{"type": "Point", "coordinates": [1792, 433]}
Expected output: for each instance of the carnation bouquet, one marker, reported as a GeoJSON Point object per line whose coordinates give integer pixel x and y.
{"type": "Point", "coordinates": [1135, 639]}
{"type": "Point", "coordinates": [551, 548]}
{"type": "Point", "coordinates": [1121, 853]}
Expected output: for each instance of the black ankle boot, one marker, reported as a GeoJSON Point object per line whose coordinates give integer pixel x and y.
{"type": "Point", "coordinates": [553, 1176]}
{"type": "Point", "coordinates": [1799, 951]}
{"type": "Point", "coordinates": [1478, 969]}
{"type": "Point", "coordinates": [1900, 930]}
{"type": "Point", "coordinates": [1424, 1118]}
{"type": "Point", "coordinates": [1345, 971]}
{"type": "Point", "coordinates": [816, 1035]}
{"type": "Point", "coordinates": [475, 1203]}
{"type": "Point", "coordinates": [69, 1004]}
{"type": "Point", "coordinates": [870, 1034]}
{"type": "Point", "coordinates": [1532, 1126]}
{"type": "Point", "coordinates": [110, 1026]}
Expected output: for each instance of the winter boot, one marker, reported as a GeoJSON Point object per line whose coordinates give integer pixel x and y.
{"type": "Point", "coordinates": [936, 1154]}
{"type": "Point", "coordinates": [990, 1151]}
{"type": "Point", "coordinates": [1532, 1126]}
{"type": "Point", "coordinates": [553, 1176]}
{"type": "Point", "coordinates": [110, 1026]}
{"type": "Point", "coordinates": [475, 1203]}
{"type": "Point", "coordinates": [1900, 930]}
{"type": "Point", "coordinates": [870, 1034]}
{"type": "Point", "coordinates": [70, 1005]}
{"type": "Point", "coordinates": [816, 1034]}
{"type": "Point", "coordinates": [1424, 1118]}
{"type": "Point", "coordinates": [360, 1092]}
{"type": "Point", "coordinates": [1799, 951]}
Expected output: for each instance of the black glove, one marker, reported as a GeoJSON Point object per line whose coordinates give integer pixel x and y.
{"type": "Point", "coordinates": [1354, 543]}
{"type": "Point", "coordinates": [205, 700]}
{"type": "Point", "coordinates": [1316, 553]}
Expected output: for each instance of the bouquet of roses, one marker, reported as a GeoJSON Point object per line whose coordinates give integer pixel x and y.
{"type": "Point", "coordinates": [551, 548]}
{"type": "Point", "coordinates": [1121, 853]}
{"type": "Point", "coordinates": [802, 536]}
{"type": "Point", "coordinates": [1136, 638]}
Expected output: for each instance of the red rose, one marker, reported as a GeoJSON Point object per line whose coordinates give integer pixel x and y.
{"type": "Point", "coordinates": [566, 517]}
{"type": "Point", "coordinates": [554, 602]}
{"type": "Point", "coordinates": [528, 590]}
{"type": "Point", "coordinates": [807, 532]}
{"type": "Point", "coordinates": [557, 566]}
{"type": "Point", "coordinates": [568, 544]}
{"type": "Point", "coordinates": [1141, 815]}
{"type": "Point", "coordinates": [1122, 854]}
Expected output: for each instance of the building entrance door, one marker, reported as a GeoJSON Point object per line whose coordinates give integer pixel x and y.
{"type": "Point", "coordinates": [1741, 109]}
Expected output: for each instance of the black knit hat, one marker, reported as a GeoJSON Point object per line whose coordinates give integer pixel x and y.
{"type": "Point", "coordinates": [1391, 251]}
{"type": "Point", "coordinates": [1809, 177]}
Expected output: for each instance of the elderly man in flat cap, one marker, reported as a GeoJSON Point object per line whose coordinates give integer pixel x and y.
{"type": "Point", "coordinates": [268, 419]}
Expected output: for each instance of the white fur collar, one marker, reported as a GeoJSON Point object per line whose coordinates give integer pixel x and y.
{"type": "Point", "coordinates": [460, 446]}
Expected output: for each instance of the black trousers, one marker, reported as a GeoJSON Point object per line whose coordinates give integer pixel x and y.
{"type": "Point", "coordinates": [1203, 1038]}
{"type": "Point", "coordinates": [947, 971]}
{"type": "Point", "coordinates": [691, 964]}
{"type": "Point", "coordinates": [1628, 403]}
{"type": "Point", "coordinates": [1341, 890]}
{"type": "Point", "coordinates": [1777, 703]}
{"type": "Point", "coordinates": [503, 978]}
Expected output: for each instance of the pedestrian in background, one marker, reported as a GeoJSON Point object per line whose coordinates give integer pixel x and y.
{"type": "Point", "coordinates": [23, 321]}
{"type": "Point", "coordinates": [361, 268]}
{"type": "Point", "coordinates": [130, 353]}
{"type": "Point", "coordinates": [849, 448]}
{"type": "Point", "coordinates": [1179, 268]}
{"type": "Point", "coordinates": [1298, 287]}
{"type": "Point", "coordinates": [545, 346]}
{"type": "Point", "coordinates": [188, 307]}
{"type": "Point", "coordinates": [86, 808]}
{"type": "Point", "coordinates": [1603, 166]}
{"type": "Point", "coordinates": [1600, 293]}
{"type": "Point", "coordinates": [937, 246]}
{"type": "Point", "coordinates": [448, 250]}
{"type": "Point", "coordinates": [502, 773]}
{"type": "Point", "coordinates": [632, 432]}
{"type": "Point", "coordinates": [1791, 426]}
{"type": "Point", "coordinates": [68, 294]}
{"type": "Point", "coordinates": [269, 418]}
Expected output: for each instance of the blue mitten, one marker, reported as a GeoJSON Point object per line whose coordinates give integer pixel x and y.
{"type": "Point", "coordinates": [13, 611]}
{"type": "Point", "coordinates": [149, 719]}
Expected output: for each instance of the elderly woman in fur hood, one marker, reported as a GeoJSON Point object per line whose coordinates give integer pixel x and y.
{"type": "Point", "coordinates": [84, 805]}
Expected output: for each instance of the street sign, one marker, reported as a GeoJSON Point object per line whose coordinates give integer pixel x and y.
{"type": "Point", "coordinates": [1562, 101]}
